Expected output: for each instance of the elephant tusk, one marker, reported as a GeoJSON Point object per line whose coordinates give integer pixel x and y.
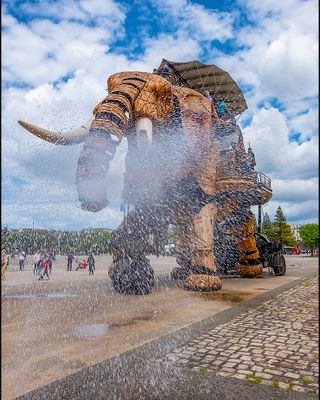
{"type": "Point", "coordinates": [74, 137]}
{"type": "Point", "coordinates": [144, 131]}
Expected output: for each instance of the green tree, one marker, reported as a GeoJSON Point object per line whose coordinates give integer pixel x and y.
{"type": "Point", "coordinates": [268, 228]}
{"type": "Point", "coordinates": [255, 224]}
{"type": "Point", "coordinates": [281, 229]}
{"type": "Point", "coordinates": [310, 236]}
{"type": "Point", "coordinates": [31, 240]}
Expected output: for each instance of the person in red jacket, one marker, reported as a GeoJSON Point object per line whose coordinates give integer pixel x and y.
{"type": "Point", "coordinates": [45, 268]}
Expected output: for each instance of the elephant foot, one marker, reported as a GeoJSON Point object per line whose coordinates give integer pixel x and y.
{"type": "Point", "coordinates": [180, 273]}
{"type": "Point", "coordinates": [202, 283]}
{"type": "Point", "coordinates": [250, 271]}
{"type": "Point", "coordinates": [132, 276]}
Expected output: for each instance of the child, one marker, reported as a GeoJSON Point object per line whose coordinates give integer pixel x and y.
{"type": "Point", "coordinates": [45, 268]}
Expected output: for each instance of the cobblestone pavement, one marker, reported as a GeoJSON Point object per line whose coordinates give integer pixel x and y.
{"type": "Point", "coordinates": [275, 343]}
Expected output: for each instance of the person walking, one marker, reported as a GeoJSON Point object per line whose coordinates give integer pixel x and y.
{"type": "Point", "coordinates": [51, 259]}
{"type": "Point", "coordinates": [4, 264]}
{"type": "Point", "coordinates": [40, 264]}
{"type": "Point", "coordinates": [91, 263]}
{"type": "Point", "coordinates": [45, 268]}
{"type": "Point", "coordinates": [22, 257]}
{"type": "Point", "coordinates": [36, 261]}
{"type": "Point", "coordinates": [69, 260]}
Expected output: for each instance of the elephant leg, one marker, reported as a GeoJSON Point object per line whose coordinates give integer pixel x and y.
{"type": "Point", "coordinates": [183, 250]}
{"type": "Point", "coordinates": [249, 264]}
{"type": "Point", "coordinates": [195, 251]}
{"type": "Point", "coordinates": [131, 272]}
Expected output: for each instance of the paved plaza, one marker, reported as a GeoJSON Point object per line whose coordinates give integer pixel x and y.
{"type": "Point", "coordinates": [274, 344]}
{"type": "Point", "coordinates": [255, 339]}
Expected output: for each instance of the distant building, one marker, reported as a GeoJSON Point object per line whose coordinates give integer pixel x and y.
{"type": "Point", "coordinates": [295, 231]}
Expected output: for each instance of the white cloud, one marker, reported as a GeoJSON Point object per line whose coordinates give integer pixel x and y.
{"type": "Point", "coordinates": [295, 190]}
{"type": "Point", "coordinates": [296, 213]}
{"type": "Point", "coordinates": [83, 10]}
{"type": "Point", "coordinates": [306, 124]}
{"type": "Point", "coordinates": [275, 155]}
{"type": "Point", "coordinates": [43, 50]}
{"type": "Point", "coordinates": [169, 47]}
{"type": "Point", "coordinates": [196, 21]}
{"type": "Point", "coordinates": [279, 51]}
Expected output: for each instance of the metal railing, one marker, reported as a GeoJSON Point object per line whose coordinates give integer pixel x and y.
{"type": "Point", "coordinates": [264, 180]}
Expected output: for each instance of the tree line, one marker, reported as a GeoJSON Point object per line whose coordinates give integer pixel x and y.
{"type": "Point", "coordinates": [279, 231]}
{"type": "Point", "coordinates": [98, 239]}
{"type": "Point", "coordinates": [30, 240]}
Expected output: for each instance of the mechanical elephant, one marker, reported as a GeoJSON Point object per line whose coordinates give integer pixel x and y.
{"type": "Point", "coordinates": [171, 176]}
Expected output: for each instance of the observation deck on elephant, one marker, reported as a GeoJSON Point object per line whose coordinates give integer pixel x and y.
{"type": "Point", "coordinates": [201, 78]}
{"type": "Point", "coordinates": [263, 189]}
{"type": "Point", "coordinates": [236, 174]}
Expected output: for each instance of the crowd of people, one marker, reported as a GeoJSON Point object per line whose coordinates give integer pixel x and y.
{"type": "Point", "coordinates": [90, 261]}
{"type": "Point", "coordinates": [43, 263]}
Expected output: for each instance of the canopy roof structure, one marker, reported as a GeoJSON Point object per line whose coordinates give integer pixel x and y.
{"type": "Point", "coordinates": [202, 77]}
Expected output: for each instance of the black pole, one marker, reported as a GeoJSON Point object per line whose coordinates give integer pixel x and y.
{"type": "Point", "coordinates": [259, 218]}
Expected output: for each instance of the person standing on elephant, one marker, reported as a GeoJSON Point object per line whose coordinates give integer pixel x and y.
{"type": "Point", "coordinates": [221, 108]}
{"type": "Point", "coordinates": [208, 96]}
{"type": "Point", "coordinates": [165, 72]}
{"type": "Point", "coordinates": [91, 263]}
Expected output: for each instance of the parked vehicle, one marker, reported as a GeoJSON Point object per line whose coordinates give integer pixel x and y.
{"type": "Point", "coordinates": [227, 255]}
{"type": "Point", "coordinates": [271, 254]}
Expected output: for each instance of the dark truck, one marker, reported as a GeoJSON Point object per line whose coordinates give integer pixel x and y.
{"type": "Point", "coordinates": [271, 255]}
{"type": "Point", "coordinates": [227, 255]}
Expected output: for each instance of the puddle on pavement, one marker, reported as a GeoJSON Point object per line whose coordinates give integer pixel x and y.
{"type": "Point", "coordinates": [59, 295]}
{"type": "Point", "coordinates": [31, 296]}
{"type": "Point", "coordinates": [220, 296]}
{"type": "Point", "coordinates": [93, 330]}
{"type": "Point", "coordinates": [147, 316]}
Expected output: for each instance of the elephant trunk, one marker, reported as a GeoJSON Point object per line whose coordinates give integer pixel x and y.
{"type": "Point", "coordinates": [105, 134]}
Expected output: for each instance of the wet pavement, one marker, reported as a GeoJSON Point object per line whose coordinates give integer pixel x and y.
{"type": "Point", "coordinates": [75, 325]}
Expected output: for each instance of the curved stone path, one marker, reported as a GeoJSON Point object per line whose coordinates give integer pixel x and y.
{"type": "Point", "coordinates": [275, 343]}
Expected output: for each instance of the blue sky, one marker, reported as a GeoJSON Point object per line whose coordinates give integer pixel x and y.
{"type": "Point", "coordinates": [57, 56]}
